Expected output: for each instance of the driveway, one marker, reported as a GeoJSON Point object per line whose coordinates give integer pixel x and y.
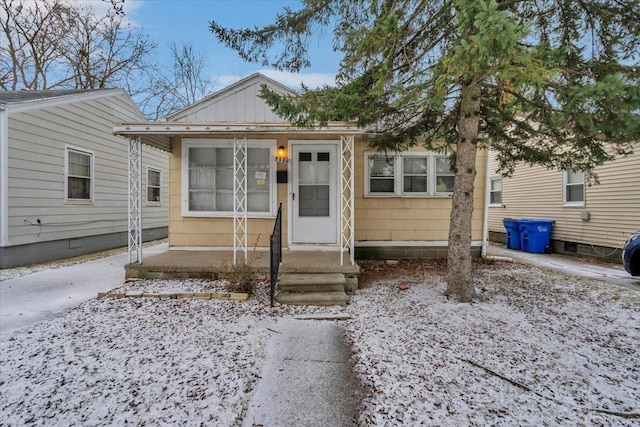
{"type": "Point", "coordinates": [610, 273]}
{"type": "Point", "coordinates": [44, 294]}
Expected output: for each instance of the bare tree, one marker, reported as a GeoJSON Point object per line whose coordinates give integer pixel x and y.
{"type": "Point", "coordinates": [55, 44]}
{"type": "Point", "coordinates": [52, 44]}
{"type": "Point", "coordinates": [189, 74]}
{"type": "Point", "coordinates": [31, 35]}
{"type": "Point", "coordinates": [118, 6]}
{"type": "Point", "coordinates": [179, 86]}
{"type": "Point", "coordinates": [104, 52]}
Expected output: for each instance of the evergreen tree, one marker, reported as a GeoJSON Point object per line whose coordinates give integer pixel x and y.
{"type": "Point", "coordinates": [550, 82]}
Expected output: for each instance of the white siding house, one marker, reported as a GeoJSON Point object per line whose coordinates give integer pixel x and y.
{"type": "Point", "coordinates": [64, 175]}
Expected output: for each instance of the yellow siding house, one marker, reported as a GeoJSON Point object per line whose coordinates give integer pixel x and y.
{"type": "Point", "coordinates": [233, 162]}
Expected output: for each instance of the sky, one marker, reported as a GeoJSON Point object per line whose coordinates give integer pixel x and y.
{"type": "Point", "coordinates": [187, 21]}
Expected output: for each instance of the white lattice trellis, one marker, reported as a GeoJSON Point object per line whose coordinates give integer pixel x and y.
{"type": "Point", "coordinates": [135, 201]}
{"type": "Point", "coordinates": [239, 198]}
{"type": "Point", "coordinates": [347, 201]}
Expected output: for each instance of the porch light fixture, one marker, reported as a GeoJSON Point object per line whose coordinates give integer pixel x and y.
{"type": "Point", "coordinates": [282, 153]}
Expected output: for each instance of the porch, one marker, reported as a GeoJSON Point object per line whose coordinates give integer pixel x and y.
{"type": "Point", "coordinates": [209, 264]}
{"type": "Point", "coordinates": [305, 277]}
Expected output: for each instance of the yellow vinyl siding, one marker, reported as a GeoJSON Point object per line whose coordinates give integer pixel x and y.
{"type": "Point", "coordinates": [392, 219]}
{"type": "Point", "coordinates": [409, 219]}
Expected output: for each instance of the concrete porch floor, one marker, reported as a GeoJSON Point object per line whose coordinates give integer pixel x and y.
{"type": "Point", "coordinates": [184, 264]}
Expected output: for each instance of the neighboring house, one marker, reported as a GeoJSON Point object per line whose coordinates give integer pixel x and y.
{"type": "Point", "coordinates": [592, 220]}
{"type": "Point", "coordinates": [233, 161]}
{"type": "Point", "coordinates": [64, 175]}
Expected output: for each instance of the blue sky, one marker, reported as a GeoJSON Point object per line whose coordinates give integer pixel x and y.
{"type": "Point", "coordinates": [182, 21]}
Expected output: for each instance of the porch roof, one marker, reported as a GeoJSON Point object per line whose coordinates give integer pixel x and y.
{"type": "Point", "coordinates": [158, 134]}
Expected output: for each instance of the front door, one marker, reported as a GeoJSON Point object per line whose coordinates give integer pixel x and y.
{"type": "Point", "coordinates": [313, 193]}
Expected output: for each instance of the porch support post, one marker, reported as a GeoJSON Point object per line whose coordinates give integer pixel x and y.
{"type": "Point", "coordinates": [239, 198]}
{"type": "Point", "coordinates": [347, 199]}
{"type": "Point", "coordinates": [135, 201]}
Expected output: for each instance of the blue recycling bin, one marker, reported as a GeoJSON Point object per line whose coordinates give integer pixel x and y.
{"type": "Point", "coordinates": [535, 235]}
{"type": "Point", "coordinates": [513, 233]}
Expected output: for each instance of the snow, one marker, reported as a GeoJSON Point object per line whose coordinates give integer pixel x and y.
{"type": "Point", "coordinates": [538, 348]}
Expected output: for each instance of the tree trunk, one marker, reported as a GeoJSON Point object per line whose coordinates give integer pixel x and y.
{"type": "Point", "coordinates": [459, 268]}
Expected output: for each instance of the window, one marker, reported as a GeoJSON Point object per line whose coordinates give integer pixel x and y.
{"type": "Point", "coordinates": [79, 175]}
{"type": "Point", "coordinates": [408, 174]}
{"type": "Point", "coordinates": [444, 175]}
{"type": "Point", "coordinates": [495, 192]}
{"type": "Point", "coordinates": [208, 177]}
{"type": "Point", "coordinates": [153, 186]}
{"type": "Point", "coordinates": [415, 174]}
{"type": "Point", "coordinates": [382, 174]}
{"type": "Point", "coordinates": [573, 188]}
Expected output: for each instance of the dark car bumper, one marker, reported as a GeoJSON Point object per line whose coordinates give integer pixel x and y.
{"type": "Point", "coordinates": [631, 254]}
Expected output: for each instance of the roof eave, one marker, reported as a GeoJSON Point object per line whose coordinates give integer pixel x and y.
{"type": "Point", "coordinates": [186, 129]}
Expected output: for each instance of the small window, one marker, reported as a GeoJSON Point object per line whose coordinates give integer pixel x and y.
{"type": "Point", "coordinates": [79, 175]}
{"type": "Point", "coordinates": [382, 174]}
{"type": "Point", "coordinates": [573, 188]}
{"type": "Point", "coordinates": [495, 192]}
{"type": "Point", "coordinates": [153, 186]}
{"type": "Point", "coordinates": [415, 174]}
{"type": "Point", "coordinates": [444, 175]}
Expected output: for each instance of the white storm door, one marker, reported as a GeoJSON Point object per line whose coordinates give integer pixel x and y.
{"type": "Point", "coordinates": [313, 194]}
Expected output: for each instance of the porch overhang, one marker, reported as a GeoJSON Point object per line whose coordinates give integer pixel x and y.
{"type": "Point", "coordinates": [158, 134]}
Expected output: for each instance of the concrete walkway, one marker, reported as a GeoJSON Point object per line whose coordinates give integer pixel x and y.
{"type": "Point", "coordinates": [306, 380]}
{"type": "Point", "coordinates": [42, 295]}
{"type": "Point", "coordinates": [609, 273]}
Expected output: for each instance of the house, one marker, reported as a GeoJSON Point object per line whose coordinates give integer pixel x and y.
{"type": "Point", "coordinates": [64, 175]}
{"type": "Point", "coordinates": [233, 162]}
{"type": "Point", "coordinates": [591, 220]}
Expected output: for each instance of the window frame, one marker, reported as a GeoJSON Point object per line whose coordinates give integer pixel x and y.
{"type": "Point", "coordinates": [268, 144]}
{"type": "Point", "coordinates": [492, 191]}
{"type": "Point", "coordinates": [368, 157]}
{"type": "Point", "coordinates": [159, 187]}
{"type": "Point", "coordinates": [399, 175]}
{"type": "Point", "coordinates": [69, 149]}
{"type": "Point", "coordinates": [565, 193]}
{"type": "Point", "coordinates": [436, 175]}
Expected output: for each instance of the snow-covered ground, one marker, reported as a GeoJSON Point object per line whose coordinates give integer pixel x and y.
{"type": "Point", "coordinates": [540, 348]}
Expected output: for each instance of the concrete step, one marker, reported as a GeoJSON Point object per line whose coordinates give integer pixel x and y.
{"type": "Point", "coordinates": [313, 298]}
{"type": "Point", "coordinates": [312, 282]}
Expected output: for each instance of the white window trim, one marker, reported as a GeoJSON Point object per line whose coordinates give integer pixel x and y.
{"type": "Point", "coordinates": [398, 175]}
{"type": "Point", "coordinates": [92, 156]}
{"type": "Point", "coordinates": [149, 202]}
{"type": "Point", "coordinates": [228, 143]}
{"type": "Point", "coordinates": [491, 179]}
{"type": "Point", "coordinates": [565, 176]}
{"type": "Point", "coordinates": [367, 176]}
{"type": "Point", "coordinates": [435, 176]}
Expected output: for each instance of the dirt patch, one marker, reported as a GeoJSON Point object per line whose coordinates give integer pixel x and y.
{"type": "Point", "coordinates": [373, 271]}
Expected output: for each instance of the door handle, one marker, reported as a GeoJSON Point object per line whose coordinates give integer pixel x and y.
{"type": "Point", "coordinates": [294, 196]}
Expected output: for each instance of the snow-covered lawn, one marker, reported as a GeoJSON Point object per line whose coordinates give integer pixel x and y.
{"type": "Point", "coordinates": [538, 349]}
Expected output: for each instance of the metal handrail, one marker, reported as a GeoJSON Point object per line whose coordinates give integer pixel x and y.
{"type": "Point", "coordinates": [275, 252]}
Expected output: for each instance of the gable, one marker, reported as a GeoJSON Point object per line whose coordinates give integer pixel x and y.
{"type": "Point", "coordinates": [238, 103]}
{"type": "Point", "coordinates": [119, 102]}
